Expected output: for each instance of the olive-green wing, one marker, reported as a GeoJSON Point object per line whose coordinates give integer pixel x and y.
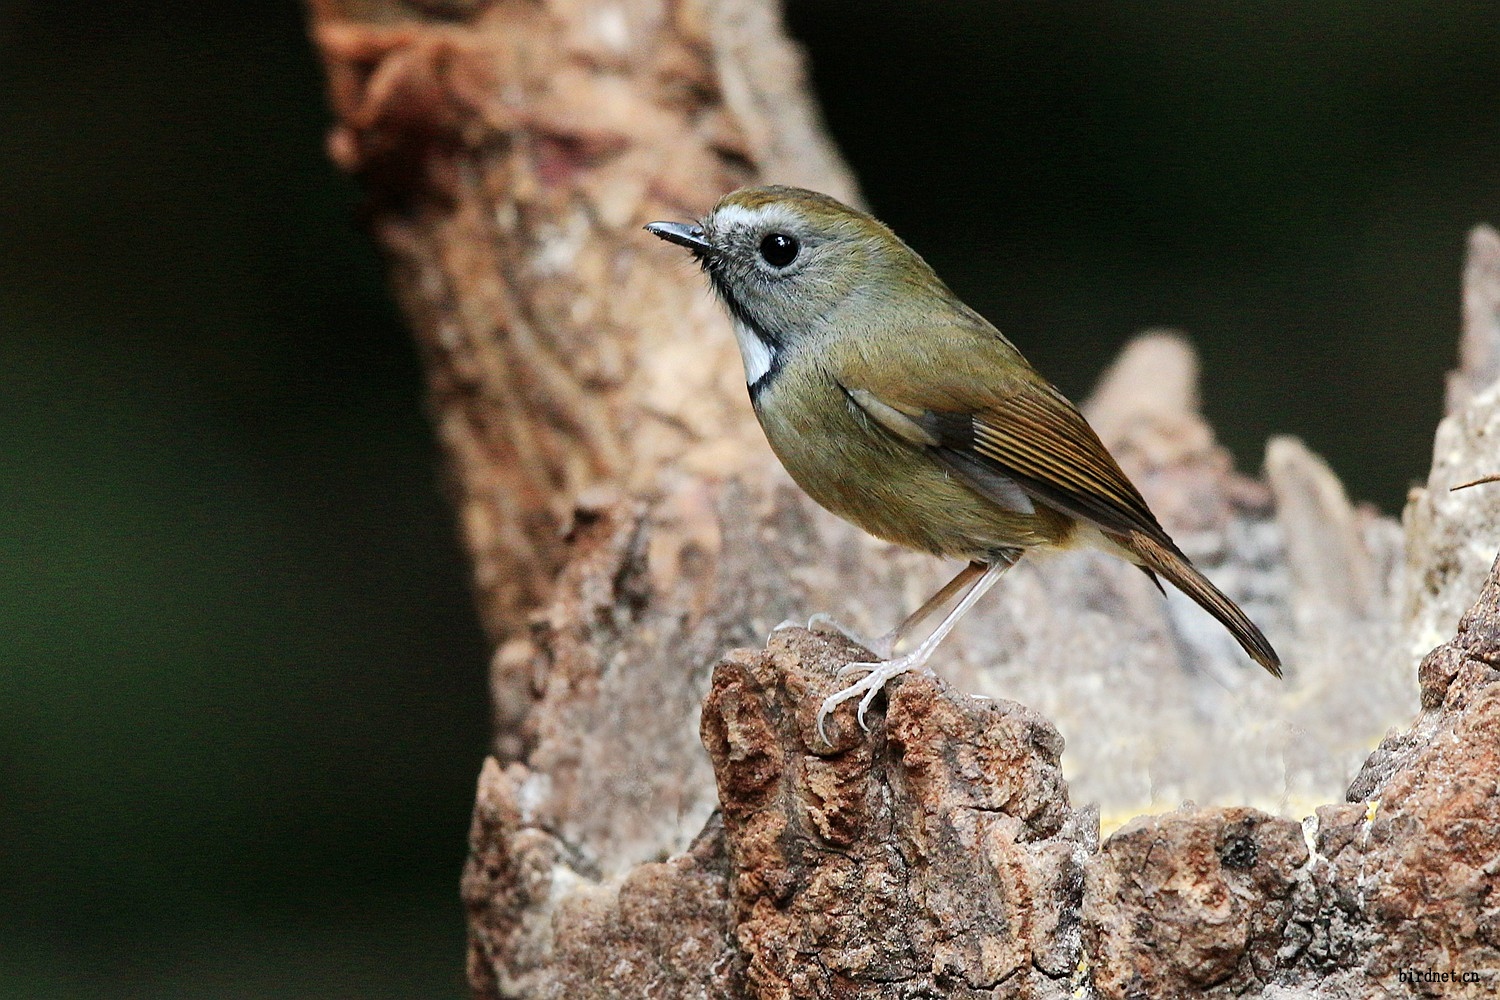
{"type": "Point", "coordinates": [970, 398]}
{"type": "Point", "coordinates": [969, 395]}
{"type": "Point", "coordinates": [1040, 440]}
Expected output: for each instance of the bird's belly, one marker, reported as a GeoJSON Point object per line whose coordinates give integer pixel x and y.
{"type": "Point", "coordinates": [897, 491]}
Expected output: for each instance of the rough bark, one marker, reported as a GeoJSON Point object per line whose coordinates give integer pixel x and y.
{"type": "Point", "coordinates": [627, 528]}
{"type": "Point", "coordinates": [512, 151]}
{"type": "Point", "coordinates": [939, 855]}
{"type": "Point", "coordinates": [1450, 536]}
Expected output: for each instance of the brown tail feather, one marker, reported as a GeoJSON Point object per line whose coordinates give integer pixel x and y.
{"type": "Point", "coordinates": [1166, 560]}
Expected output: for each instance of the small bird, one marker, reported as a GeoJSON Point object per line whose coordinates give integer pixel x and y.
{"type": "Point", "coordinates": [900, 409]}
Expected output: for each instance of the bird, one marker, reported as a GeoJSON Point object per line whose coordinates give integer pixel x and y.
{"type": "Point", "coordinates": [896, 406]}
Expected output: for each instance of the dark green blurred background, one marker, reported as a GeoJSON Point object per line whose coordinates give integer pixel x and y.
{"type": "Point", "coordinates": [241, 690]}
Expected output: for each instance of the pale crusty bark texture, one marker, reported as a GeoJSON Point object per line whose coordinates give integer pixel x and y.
{"type": "Point", "coordinates": [659, 819]}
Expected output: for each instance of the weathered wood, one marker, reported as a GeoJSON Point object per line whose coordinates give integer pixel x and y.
{"type": "Point", "coordinates": [512, 150]}
{"type": "Point", "coordinates": [628, 529]}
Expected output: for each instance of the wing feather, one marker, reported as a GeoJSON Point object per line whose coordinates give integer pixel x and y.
{"type": "Point", "coordinates": [1009, 423]}
{"type": "Point", "coordinates": [1041, 440]}
{"type": "Point", "coordinates": [1012, 431]}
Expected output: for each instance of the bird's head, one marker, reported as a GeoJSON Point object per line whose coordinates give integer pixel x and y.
{"type": "Point", "coordinates": [789, 262]}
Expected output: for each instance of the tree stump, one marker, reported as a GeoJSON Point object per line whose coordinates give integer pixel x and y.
{"type": "Point", "coordinates": [629, 530]}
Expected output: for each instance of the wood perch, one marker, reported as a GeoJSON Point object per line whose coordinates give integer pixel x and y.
{"type": "Point", "coordinates": [627, 527]}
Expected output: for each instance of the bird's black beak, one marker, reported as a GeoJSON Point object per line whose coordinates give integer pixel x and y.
{"type": "Point", "coordinates": [684, 234]}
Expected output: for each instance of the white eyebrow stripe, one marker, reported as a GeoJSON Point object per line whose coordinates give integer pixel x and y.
{"type": "Point", "coordinates": [740, 217]}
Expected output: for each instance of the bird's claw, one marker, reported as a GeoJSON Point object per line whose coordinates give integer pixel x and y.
{"type": "Point", "coordinates": [866, 689]}
{"type": "Point", "coordinates": [864, 706]}
{"type": "Point", "coordinates": [789, 623]}
{"type": "Point", "coordinates": [827, 624]}
{"type": "Point", "coordinates": [824, 622]}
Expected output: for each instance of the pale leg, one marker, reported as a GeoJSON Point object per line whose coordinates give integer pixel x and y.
{"type": "Point", "coordinates": [885, 646]}
{"type": "Point", "coordinates": [965, 577]}
{"type": "Point", "coordinates": [879, 673]}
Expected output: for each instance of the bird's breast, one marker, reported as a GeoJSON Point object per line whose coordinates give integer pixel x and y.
{"type": "Point", "coordinates": [889, 487]}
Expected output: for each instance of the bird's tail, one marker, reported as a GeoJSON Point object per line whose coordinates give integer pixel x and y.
{"type": "Point", "coordinates": [1167, 561]}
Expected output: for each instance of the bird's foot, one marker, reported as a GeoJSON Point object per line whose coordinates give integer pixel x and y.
{"type": "Point", "coordinates": [866, 688]}
{"type": "Point", "coordinates": [824, 622]}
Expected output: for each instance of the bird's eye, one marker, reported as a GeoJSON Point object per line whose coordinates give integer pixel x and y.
{"type": "Point", "coordinates": [779, 249]}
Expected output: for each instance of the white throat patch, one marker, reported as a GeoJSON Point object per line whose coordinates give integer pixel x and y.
{"type": "Point", "coordinates": [756, 353]}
